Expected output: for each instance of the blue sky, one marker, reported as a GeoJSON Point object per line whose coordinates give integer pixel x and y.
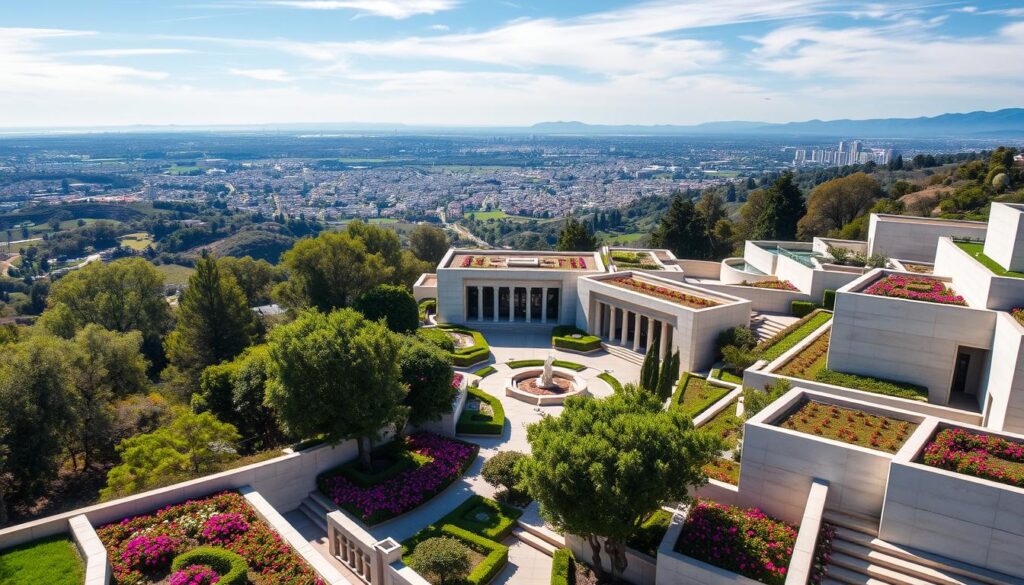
{"type": "Point", "coordinates": [498, 62]}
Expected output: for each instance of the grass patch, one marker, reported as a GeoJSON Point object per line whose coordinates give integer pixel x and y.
{"type": "Point", "coordinates": [977, 251]}
{"type": "Point", "coordinates": [562, 337]}
{"type": "Point", "coordinates": [790, 336]}
{"type": "Point", "coordinates": [724, 470]}
{"type": "Point", "coordinates": [485, 215]}
{"type": "Point", "coordinates": [611, 380]}
{"type": "Point", "coordinates": [478, 422]}
{"type": "Point", "coordinates": [175, 273]}
{"type": "Point", "coordinates": [482, 516]}
{"type": "Point", "coordinates": [694, 395]}
{"type": "Point", "coordinates": [726, 425]}
{"type": "Point", "coordinates": [810, 364]}
{"type": "Point", "coordinates": [727, 375]}
{"type": "Point", "coordinates": [485, 371]}
{"type": "Point", "coordinates": [137, 241]}
{"type": "Point", "coordinates": [516, 364]}
{"type": "Point", "coordinates": [849, 425]}
{"type": "Point", "coordinates": [53, 561]}
{"type": "Point", "coordinates": [563, 567]}
{"type": "Point", "coordinates": [648, 537]}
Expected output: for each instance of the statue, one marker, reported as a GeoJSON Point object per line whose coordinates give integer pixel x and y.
{"type": "Point", "coordinates": [547, 378]}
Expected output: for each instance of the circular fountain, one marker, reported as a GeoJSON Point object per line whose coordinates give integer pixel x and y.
{"type": "Point", "coordinates": [546, 386]}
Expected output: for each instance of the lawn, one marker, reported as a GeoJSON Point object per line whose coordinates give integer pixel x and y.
{"type": "Point", "coordinates": [53, 561]}
{"type": "Point", "coordinates": [727, 375]}
{"type": "Point", "coordinates": [726, 425]}
{"type": "Point", "coordinates": [137, 241]}
{"type": "Point", "coordinates": [694, 395]}
{"type": "Point", "coordinates": [183, 170]}
{"type": "Point", "coordinates": [790, 336]}
{"type": "Point", "coordinates": [977, 250]}
{"type": "Point", "coordinates": [849, 425]}
{"type": "Point", "coordinates": [485, 215]}
{"type": "Point", "coordinates": [175, 273]}
{"type": "Point", "coordinates": [648, 537]}
{"type": "Point", "coordinates": [810, 362]}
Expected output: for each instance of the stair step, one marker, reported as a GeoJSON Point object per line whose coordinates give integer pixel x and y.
{"type": "Point", "coordinates": [866, 567]}
{"type": "Point", "coordinates": [534, 542]}
{"type": "Point", "coordinates": [841, 575]}
{"type": "Point", "coordinates": [543, 533]}
{"type": "Point", "coordinates": [857, 522]}
{"type": "Point", "coordinates": [311, 512]}
{"type": "Point", "coordinates": [905, 566]}
{"type": "Point", "coordinates": [322, 502]}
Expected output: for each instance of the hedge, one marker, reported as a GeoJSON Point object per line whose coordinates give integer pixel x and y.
{"type": "Point", "coordinates": [395, 450]}
{"type": "Point", "coordinates": [562, 337]}
{"type": "Point", "coordinates": [427, 306]}
{"type": "Point", "coordinates": [495, 554]}
{"type": "Point", "coordinates": [786, 339]}
{"type": "Point", "coordinates": [611, 380]}
{"type": "Point", "coordinates": [515, 364]}
{"type": "Point", "coordinates": [502, 518]}
{"type": "Point", "coordinates": [230, 566]}
{"type": "Point", "coordinates": [473, 354]}
{"type": "Point", "coordinates": [563, 567]}
{"type": "Point", "coordinates": [801, 308]}
{"type": "Point", "coordinates": [485, 371]}
{"type": "Point", "coordinates": [475, 423]}
{"type": "Point", "coordinates": [828, 299]}
{"type": "Point", "coordinates": [876, 385]}
{"type": "Point", "coordinates": [437, 337]}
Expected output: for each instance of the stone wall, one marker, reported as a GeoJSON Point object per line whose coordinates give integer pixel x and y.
{"type": "Point", "coordinates": [1004, 240]}
{"type": "Point", "coordinates": [1005, 388]}
{"type": "Point", "coordinates": [979, 285]}
{"type": "Point", "coordinates": [914, 238]}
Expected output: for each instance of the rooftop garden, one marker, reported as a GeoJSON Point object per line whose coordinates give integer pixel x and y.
{"type": "Point", "coordinates": [552, 262]}
{"type": "Point", "coordinates": [744, 541]}
{"type": "Point", "coordinates": [54, 561]}
{"type": "Point", "coordinates": [726, 425]}
{"type": "Point", "coordinates": [406, 473]}
{"type": "Point", "coordinates": [915, 288]}
{"type": "Point", "coordinates": [694, 395]}
{"type": "Point", "coordinates": [662, 292]}
{"type": "Point", "coordinates": [219, 537]}
{"type": "Point", "coordinates": [984, 456]}
{"type": "Point", "coordinates": [810, 362]}
{"type": "Point", "coordinates": [977, 251]}
{"type": "Point", "coordinates": [772, 348]}
{"type": "Point", "coordinates": [724, 470]}
{"type": "Point", "coordinates": [640, 260]}
{"type": "Point", "coordinates": [849, 425]}
{"type": "Point", "coordinates": [771, 284]}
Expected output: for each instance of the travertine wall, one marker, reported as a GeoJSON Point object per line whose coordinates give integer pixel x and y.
{"type": "Point", "coordinates": [914, 238]}
{"type": "Point", "coordinates": [675, 568]}
{"type": "Point", "coordinates": [975, 282]}
{"type": "Point", "coordinates": [765, 300]}
{"type": "Point", "coordinates": [1004, 241]}
{"type": "Point", "coordinates": [1005, 389]}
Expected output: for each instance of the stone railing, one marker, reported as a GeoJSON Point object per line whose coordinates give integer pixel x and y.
{"type": "Point", "coordinates": [368, 558]}
{"type": "Point", "coordinates": [97, 564]}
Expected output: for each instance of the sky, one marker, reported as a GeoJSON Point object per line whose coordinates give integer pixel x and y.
{"type": "Point", "coordinates": [502, 62]}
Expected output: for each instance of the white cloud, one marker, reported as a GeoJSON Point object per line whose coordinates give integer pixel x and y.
{"type": "Point", "coordinates": [274, 75]}
{"type": "Point", "coordinates": [128, 52]}
{"type": "Point", "coordinates": [439, 27]}
{"type": "Point", "coordinates": [397, 9]}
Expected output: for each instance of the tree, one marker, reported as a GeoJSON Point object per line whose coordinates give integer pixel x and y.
{"type": "Point", "coordinates": [603, 466]}
{"type": "Point", "coordinates": [835, 203]}
{"type": "Point", "coordinates": [394, 304]}
{"type": "Point", "coordinates": [214, 320]}
{"type": "Point", "coordinates": [192, 445]}
{"type": "Point", "coordinates": [123, 295]}
{"type": "Point", "coordinates": [575, 237]}
{"type": "Point", "coordinates": [336, 375]}
{"type": "Point", "coordinates": [428, 243]}
{"type": "Point", "coordinates": [681, 230]}
{"type": "Point", "coordinates": [668, 375]}
{"type": "Point", "coordinates": [505, 471]}
{"type": "Point", "coordinates": [714, 224]}
{"type": "Point", "coordinates": [783, 207]}
{"type": "Point", "coordinates": [235, 392]}
{"type": "Point", "coordinates": [427, 372]}
{"type": "Point", "coordinates": [255, 277]}
{"type": "Point", "coordinates": [445, 560]}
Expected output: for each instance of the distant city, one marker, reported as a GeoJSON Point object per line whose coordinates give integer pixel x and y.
{"type": "Point", "coordinates": [849, 153]}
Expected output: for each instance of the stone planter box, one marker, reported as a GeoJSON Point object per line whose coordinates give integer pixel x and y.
{"type": "Point", "coordinates": [512, 388]}
{"type": "Point", "coordinates": [675, 568]}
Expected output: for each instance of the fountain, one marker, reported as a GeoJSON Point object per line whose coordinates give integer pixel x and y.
{"type": "Point", "coordinates": [547, 377]}
{"type": "Point", "coordinates": [545, 386]}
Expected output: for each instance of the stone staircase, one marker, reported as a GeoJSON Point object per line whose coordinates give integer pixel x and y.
{"type": "Point", "coordinates": [316, 506]}
{"type": "Point", "coordinates": [763, 327]}
{"type": "Point", "coordinates": [859, 557]}
{"type": "Point", "coordinates": [541, 538]}
{"type": "Point", "coordinates": [626, 354]}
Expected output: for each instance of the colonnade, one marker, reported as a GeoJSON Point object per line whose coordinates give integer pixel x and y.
{"type": "Point", "coordinates": [629, 328]}
{"type": "Point", "coordinates": [512, 303]}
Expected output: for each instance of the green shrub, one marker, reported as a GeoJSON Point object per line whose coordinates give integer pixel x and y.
{"type": "Point", "coordinates": [438, 337]}
{"type": "Point", "coordinates": [476, 423]}
{"type": "Point", "coordinates": [515, 364]}
{"type": "Point", "coordinates": [801, 308]}
{"type": "Point", "coordinates": [441, 559]}
{"type": "Point", "coordinates": [231, 567]}
{"type": "Point", "coordinates": [394, 304]}
{"type": "Point", "coordinates": [485, 371]}
{"type": "Point", "coordinates": [427, 306]}
{"type": "Point", "coordinates": [754, 400]}
{"type": "Point", "coordinates": [562, 337]}
{"type": "Point", "coordinates": [611, 380]}
{"type": "Point", "coordinates": [650, 534]}
{"type": "Point", "coordinates": [739, 336]}
{"type": "Point", "coordinates": [493, 563]}
{"type": "Point", "coordinates": [474, 354]}
{"type": "Point", "coordinates": [792, 335]}
{"type": "Point", "coordinates": [503, 471]}
{"type": "Point", "coordinates": [876, 385]}
{"type": "Point", "coordinates": [402, 458]}
{"type": "Point", "coordinates": [500, 521]}
{"type": "Point", "coordinates": [738, 358]}
{"type": "Point", "coordinates": [563, 567]}
{"type": "Point", "coordinates": [828, 299]}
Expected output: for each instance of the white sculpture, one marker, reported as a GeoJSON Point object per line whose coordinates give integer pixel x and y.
{"type": "Point", "coordinates": [547, 378]}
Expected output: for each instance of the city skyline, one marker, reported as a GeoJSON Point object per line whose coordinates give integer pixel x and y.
{"type": "Point", "coordinates": [445, 62]}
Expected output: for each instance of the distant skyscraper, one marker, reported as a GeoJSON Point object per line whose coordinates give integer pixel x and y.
{"type": "Point", "coordinates": [848, 153]}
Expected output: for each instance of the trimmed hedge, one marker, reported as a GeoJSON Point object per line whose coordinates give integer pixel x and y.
{"type": "Point", "coordinates": [500, 524]}
{"type": "Point", "coordinates": [230, 566]}
{"type": "Point", "coordinates": [437, 337]}
{"type": "Point", "coordinates": [516, 364]}
{"type": "Point", "coordinates": [828, 299]}
{"type": "Point", "coordinates": [495, 554]}
{"type": "Point", "coordinates": [801, 308]}
{"type": "Point", "coordinates": [475, 423]}
{"type": "Point", "coordinates": [485, 371]}
{"type": "Point", "coordinates": [404, 460]}
{"type": "Point", "coordinates": [611, 380]}
{"type": "Point", "coordinates": [784, 340]}
{"type": "Point", "coordinates": [876, 385]}
{"type": "Point", "coordinates": [473, 354]}
{"type": "Point", "coordinates": [562, 337]}
{"type": "Point", "coordinates": [563, 567]}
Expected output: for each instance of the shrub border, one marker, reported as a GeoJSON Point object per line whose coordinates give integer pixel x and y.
{"type": "Point", "coordinates": [611, 381]}
{"type": "Point", "coordinates": [562, 338]}
{"type": "Point", "coordinates": [497, 424]}
{"type": "Point", "coordinates": [472, 355]}
{"type": "Point", "coordinates": [236, 575]}
{"type": "Point", "coordinates": [508, 516]}
{"type": "Point", "coordinates": [494, 561]}
{"type": "Point", "coordinates": [516, 364]}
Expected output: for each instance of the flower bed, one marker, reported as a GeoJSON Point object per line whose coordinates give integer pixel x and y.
{"type": "Point", "coordinates": [694, 395]}
{"type": "Point", "coordinates": [978, 455]}
{"type": "Point", "coordinates": [724, 470]}
{"type": "Point", "coordinates": [1018, 314]}
{"type": "Point", "coordinates": [642, 260]}
{"type": "Point", "coordinates": [142, 548]}
{"type": "Point", "coordinates": [439, 462]}
{"type": "Point", "coordinates": [849, 425]}
{"type": "Point", "coordinates": [725, 425]}
{"type": "Point", "coordinates": [916, 288]}
{"type": "Point", "coordinates": [772, 284]}
{"type": "Point", "coordinates": [662, 292]}
{"type": "Point", "coordinates": [744, 541]}
{"type": "Point", "coordinates": [457, 381]}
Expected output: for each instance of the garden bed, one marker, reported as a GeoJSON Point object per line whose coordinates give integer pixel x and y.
{"type": "Point", "coordinates": [662, 292]}
{"type": "Point", "coordinates": [482, 415]}
{"type": "Point", "coordinates": [50, 561]}
{"type": "Point", "coordinates": [849, 425]}
{"type": "Point", "coordinates": [727, 375]}
{"type": "Point", "coordinates": [786, 339]}
{"type": "Point", "coordinates": [694, 395]}
{"type": "Point", "coordinates": [648, 537]}
{"type": "Point", "coordinates": [624, 260]}
{"type": "Point", "coordinates": [771, 284]}
{"type": "Point", "coordinates": [978, 455]}
{"type": "Point", "coordinates": [142, 548]}
{"type": "Point", "coordinates": [810, 362]}
{"type": "Point", "coordinates": [467, 355]}
{"type": "Point", "coordinates": [1018, 314]}
{"type": "Point", "coordinates": [915, 288]}
{"type": "Point", "coordinates": [573, 339]}
{"type": "Point", "coordinates": [725, 425]}
{"type": "Point", "coordinates": [744, 541]}
{"type": "Point", "coordinates": [487, 558]}
{"type": "Point", "coordinates": [516, 364]}
{"type": "Point", "coordinates": [724, 470]}
{"type": "Point", "coordinates": [386, 493]}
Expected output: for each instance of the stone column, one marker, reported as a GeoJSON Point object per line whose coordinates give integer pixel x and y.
{"type": "Point", "coordinates": [636, 331]}
{"type": "Point", "coordinates": [495, 300]}
{"type": "Point", "coordinates": [664, 340]}
{"type": "Point", "coordinates": [544, 305]}
{"type": "Point", "coordinates": [600, 320]}
{"type": "Point", "coordinates": [625, 327]}
{"type": "Point", "coordinates": [479, 303]}
{"type": "Point", "coordinates": [511, 304]}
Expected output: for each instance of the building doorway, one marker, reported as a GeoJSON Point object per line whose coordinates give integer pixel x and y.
{"type": "Point", "coordinates": [967, 373]}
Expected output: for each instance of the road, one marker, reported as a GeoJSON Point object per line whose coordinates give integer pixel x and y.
{"type": "Point", "coordinates": [463, 232]}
